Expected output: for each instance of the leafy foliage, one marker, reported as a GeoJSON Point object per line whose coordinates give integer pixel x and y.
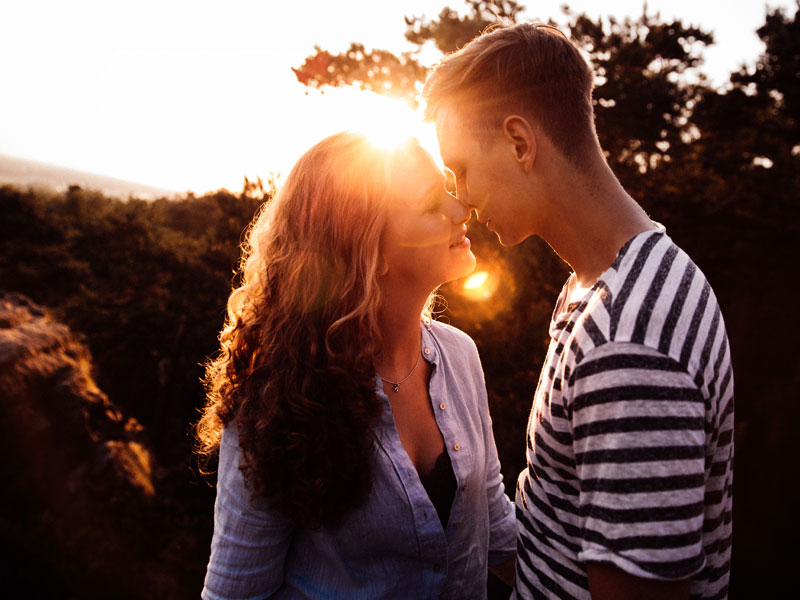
{"type": "Point", "coordinates": [377, 71]}
{"type": "Point", "coordinates": [401, 76]}
{"type": "Point", "coordinates": [450, 31]}
{"type": "Point", "coordinates": [145, 282]}
{"type": "Point", "coordinates": [642, 105]}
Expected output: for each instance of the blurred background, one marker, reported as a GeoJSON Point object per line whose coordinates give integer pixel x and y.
{"type": "Point", "coordinates": [138, 139]}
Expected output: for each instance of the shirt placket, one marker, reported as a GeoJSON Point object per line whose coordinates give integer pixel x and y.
{"type": "Point", "coordinates": [455, 441]}
{"type": "Point", "coordinates": [431, 541]}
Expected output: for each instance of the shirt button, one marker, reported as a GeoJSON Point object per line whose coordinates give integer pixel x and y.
{"type": "Point", "coordinates": [456, 447]}
{"type": "Point", "coordinates": [443, 406]}
{"type": "Point", "coordinates": [427, 351]}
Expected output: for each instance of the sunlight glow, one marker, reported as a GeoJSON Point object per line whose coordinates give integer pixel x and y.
{"type": "Point", "coordinates": [389, 122]}
{"type": "Point", "coordinates": [481, 285]}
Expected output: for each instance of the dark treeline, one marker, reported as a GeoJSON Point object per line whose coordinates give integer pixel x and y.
{"type": "Point", "coordinates": [146, 282]}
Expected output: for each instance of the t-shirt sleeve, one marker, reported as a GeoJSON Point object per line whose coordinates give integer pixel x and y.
{"type": "Point", "coordinates": [639, 440]}
{"type": "Point", "coordinates": [250, 542]}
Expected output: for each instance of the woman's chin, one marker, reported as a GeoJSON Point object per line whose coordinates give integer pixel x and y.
{"type": "Point", "coordinates": [465, 267]}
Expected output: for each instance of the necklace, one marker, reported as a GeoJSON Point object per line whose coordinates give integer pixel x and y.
{"type": "Point", "coordinates": [396, 384]}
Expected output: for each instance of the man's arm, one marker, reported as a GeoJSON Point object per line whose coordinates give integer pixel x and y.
{"type": "Point", "coordinates": [610, 583]}
{"type": "Point", "coordinates": [639, 440]}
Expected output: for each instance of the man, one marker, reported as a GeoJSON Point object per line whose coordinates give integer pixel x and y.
{"type": "Point", "coordinates": [627, 491]}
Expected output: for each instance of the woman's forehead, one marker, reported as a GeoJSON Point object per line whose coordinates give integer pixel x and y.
{"type": "Point", "coordinates": [411, 161]}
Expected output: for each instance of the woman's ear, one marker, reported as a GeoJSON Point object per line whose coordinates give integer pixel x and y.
{"type": "Point", "coordinates": [383, 266]}
{"type": "Point", "coordinates": [519, 133]}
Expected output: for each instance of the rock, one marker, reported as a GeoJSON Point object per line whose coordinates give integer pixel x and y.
{"type": "Point", "coordinates": [51, 404]}
{"type": "Point", "coordinates": [77, 474]}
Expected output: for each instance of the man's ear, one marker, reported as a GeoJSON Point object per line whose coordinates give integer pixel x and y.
{"type": "Point", "coordinates": [518, 131]}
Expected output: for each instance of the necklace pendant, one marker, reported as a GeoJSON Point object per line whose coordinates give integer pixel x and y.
{"type": "Point", "coordinates": [395, 387]}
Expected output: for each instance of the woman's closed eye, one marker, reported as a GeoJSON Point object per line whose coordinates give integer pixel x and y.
{"type": "Point", "coordinates": [434, 207]}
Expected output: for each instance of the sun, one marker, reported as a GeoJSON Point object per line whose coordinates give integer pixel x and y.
{"type": "Point", "coordinates": [387, 122]}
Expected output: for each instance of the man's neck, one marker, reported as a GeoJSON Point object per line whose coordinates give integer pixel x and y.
{"type": "Point", "coordinates": [592, 218]}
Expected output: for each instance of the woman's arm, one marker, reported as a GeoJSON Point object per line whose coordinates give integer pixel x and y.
{"type": "Point", "coordinates": [250, 542]}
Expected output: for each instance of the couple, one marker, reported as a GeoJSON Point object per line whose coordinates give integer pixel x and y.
{"type": "Point", "coordinates": [356, 454]}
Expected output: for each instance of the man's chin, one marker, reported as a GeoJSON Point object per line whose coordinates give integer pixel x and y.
{"type": "Point", "coordinates": [500, 237]}
{"type": "Point", "coordinates": [506, 240]}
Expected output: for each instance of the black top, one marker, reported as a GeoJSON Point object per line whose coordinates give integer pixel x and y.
{"type": "Point", "coordinates": [440, 483]}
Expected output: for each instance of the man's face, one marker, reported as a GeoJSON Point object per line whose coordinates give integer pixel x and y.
{"type": "Point", "coordinates": [488, 179]}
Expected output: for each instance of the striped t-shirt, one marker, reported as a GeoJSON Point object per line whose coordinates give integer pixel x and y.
{"type": "Point", "coordinates": [630, 440]}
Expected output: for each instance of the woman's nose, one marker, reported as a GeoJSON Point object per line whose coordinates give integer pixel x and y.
{"type": "Point", "coordinates": [458, 211]}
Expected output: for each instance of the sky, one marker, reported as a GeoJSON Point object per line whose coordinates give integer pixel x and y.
{"type": "Point", "coordinates": [196, 94]}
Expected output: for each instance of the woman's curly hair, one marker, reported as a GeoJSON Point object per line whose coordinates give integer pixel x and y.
{"type": "Point", "coordinates": [295, 371]}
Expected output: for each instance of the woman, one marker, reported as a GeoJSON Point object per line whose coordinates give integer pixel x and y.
{"type": "Point", "coordinates": [356, 452]}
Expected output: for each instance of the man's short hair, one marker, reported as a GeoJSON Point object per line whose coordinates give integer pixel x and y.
{"type": "Point", "coordinates": [526, 69]}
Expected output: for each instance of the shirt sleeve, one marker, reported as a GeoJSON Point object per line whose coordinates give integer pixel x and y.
{"type": "Point", "coordinates": [639, 440]}
{"type": "Point", "coordinates": [502, 518]}
{"type": "Point", "coordinates": [250, 542]}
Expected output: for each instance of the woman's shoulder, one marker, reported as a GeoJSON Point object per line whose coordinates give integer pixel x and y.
{"type": "Point", "coordinates": [451, 338]}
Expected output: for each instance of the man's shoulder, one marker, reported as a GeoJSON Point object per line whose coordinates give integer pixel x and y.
{"type": "Point", "coordinates": [655, 296]}
{"type": "Point", "coordinates": [646, 258]}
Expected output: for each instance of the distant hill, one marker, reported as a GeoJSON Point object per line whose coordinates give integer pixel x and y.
{"type": "Point", "coordinates": [28, 173]}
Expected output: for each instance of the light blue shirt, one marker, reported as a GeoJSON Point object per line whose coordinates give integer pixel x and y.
{"type": "Point", "coordinates": [394, 546]}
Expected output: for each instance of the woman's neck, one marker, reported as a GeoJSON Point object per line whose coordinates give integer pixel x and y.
{"type": "Point", "coordinates": [399, 322]}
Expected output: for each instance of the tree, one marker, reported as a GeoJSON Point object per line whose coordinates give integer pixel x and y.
{"type": "Point", "coordinates": [450, 31]}
{"type": "Point", "coordinates": [401, 76]}
{"type": "Point", "coordinates": [642, 100]}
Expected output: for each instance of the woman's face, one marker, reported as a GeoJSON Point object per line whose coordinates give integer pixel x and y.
{"type": "Point", "coordinates": [424, 242]}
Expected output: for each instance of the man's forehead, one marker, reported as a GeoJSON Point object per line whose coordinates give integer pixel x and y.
{"type": "Point", "coordinates": [449, 129]}
{"type": "Point", "coordinates": [447, 120]}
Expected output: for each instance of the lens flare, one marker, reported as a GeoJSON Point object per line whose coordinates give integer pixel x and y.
{"type": "Point", "coordinates": [481, 285]}
{"type": "Point", "coordinates": [476, 280]}
{"type": "Point", "coordinates": [389, 123]}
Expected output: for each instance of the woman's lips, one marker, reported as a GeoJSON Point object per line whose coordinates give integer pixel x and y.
{"type": "Point", "coordinates": [462, 242]}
